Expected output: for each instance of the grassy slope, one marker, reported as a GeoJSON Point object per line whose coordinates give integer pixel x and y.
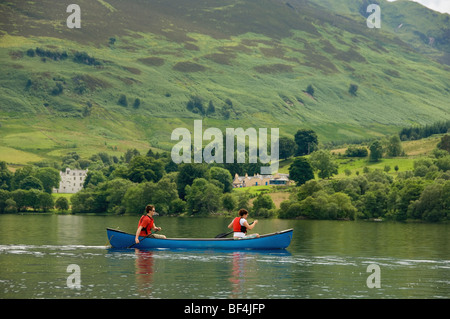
{"type": "Point", "coordinates": [413, 150]}
{"type": "Point", "coordinates": [165, 52]}
{"type": "Point", "coordinates": [408, 20]}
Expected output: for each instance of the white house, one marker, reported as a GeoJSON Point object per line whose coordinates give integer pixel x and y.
{"type": "Point", "coordinates": [72, 181]}
{"type": "Point", "coordinates": [258, 180]}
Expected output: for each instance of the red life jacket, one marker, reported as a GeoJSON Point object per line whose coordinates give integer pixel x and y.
{"type": "Point", "coordinates": [237, 227]}
{"type": "Point", "coordinates": [149, 224]}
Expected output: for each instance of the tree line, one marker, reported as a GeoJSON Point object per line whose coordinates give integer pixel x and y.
{"type": "Point", "coordinates": [78, 57]}
{"type": "Point", "coordinates": [200, 190]}
{"type": "Point", "coordinates": [422, 193]}
{"type": "Point", "coordinates": [375, 195]}
{"type": "Point", "coordinates": [418, 132]}
{"type": "Point", "coordinates": [28, 187]}
{"type": "Point", "coordinates": [123, 185]}
{"type": "Point", "coordinates": [126, 184]}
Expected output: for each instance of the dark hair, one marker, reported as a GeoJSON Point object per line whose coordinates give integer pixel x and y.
{"type": "Point", "coordinates": [149, 208]}
{"type": "Point", "coordinates": [242, 212]}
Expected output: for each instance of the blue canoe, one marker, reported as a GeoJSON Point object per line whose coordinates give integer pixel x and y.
{"type": "Point", "coordinates": [278, 240]}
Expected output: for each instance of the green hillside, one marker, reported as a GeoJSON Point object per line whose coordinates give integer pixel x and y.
{"type": "Point", "coordinates": [252, 60]}
{"type": "Point", "coordinates": [426, 31]}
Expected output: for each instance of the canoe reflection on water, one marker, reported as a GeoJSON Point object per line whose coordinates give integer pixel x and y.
{"type": "Point", "coordinates": [151, 272]}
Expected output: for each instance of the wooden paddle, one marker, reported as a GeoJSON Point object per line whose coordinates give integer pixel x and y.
{"type": "Point", "coordinates": [223, 235]}
{"type": "Point", "coordinates": [144, 238]}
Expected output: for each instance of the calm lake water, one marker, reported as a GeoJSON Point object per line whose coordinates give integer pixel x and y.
{"type": "Point", "coordinates": [326, 259]}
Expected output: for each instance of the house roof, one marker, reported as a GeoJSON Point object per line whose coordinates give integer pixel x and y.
{"type": "Point", "coordinates": [277, 176]}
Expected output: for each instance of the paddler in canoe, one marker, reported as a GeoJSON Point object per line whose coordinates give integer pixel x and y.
{"type": "Point", "coordinates": [240, 226]}
{"type": "Point", "coordinates": [147, 225]}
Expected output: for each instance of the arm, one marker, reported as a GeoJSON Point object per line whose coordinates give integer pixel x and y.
{"type": "Point", "coordinates": [136, 239]}
{"type": "Point", "coordinates": [231, 225]}
{"type": "Point", "coordinates": [251, 225]}
{"type": "Point", "coordinates": [154, 228]}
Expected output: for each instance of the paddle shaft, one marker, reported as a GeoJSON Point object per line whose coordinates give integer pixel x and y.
{"type": "Point", "coordinates": [144, 238]}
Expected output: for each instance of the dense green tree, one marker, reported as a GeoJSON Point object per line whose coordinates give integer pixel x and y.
{"type": "Point", "coordinates": [177, 206]}
{"type": "Point", "coordinates": [137, 103]}
{"type": "Point", "coordinates": [26, 199]}
{"type": "Point", "coordinates": [62, 204]}
{"type": "Point", "coordinates": [31, 182]}
{"type": "Point", "coordinates": [223, 176]}
{"type": "Point", "coordinates": [144, 168]}
{"type": "Point", "coordinates": [46, 201]}
{"type": "Point", "coordinates": [243, 200]}
{"type": "Point", "coordinates": [262, 201]}
{"type": "Point", "coordinates": [286, 147]}
{"type": "Point", "coordinates": [353, 89]}
{"type": "Point", "coordinates": [380, 176]}
{"type": "Point", "coordinates": [374, 201]}
{"type": "Point", "coordinates": [229, 202]}
{"type": "Point", "coordinates": [394, 146]}
{"type": "Point", "coordinates": [19, 175]}
{"type": "Point", "coordinates": [308, 189]}
{"type": "Point", "coordinates": [402, 194]}
{"type": "Point", "coordinates": [162, 194]}
{"type": "Point", "coordinates": [307, 142]}
{"type": "Point", "coordinates": [444, 143]}
{"type": "Point", "coordinates": [93, 178]}
{"type": "Point", "coordinates": [138, 196]}
{"type": "Point", "coordinates": [353, 187]}
{"type": "Point", "coordinates": [187, 173]}
{"type": "Point", "coordinates": [418, 132]}
{"type": "Point", "coordinates": [310, 90]}
{"type": "Point", "coordinates": [171, 166]}
{"type": "Point", "coordinates": [433, 204]}
{"type": "Point", "coordinates": [165, 197]}
{"type": "Point", "coordinates": [123, 100]}
{"type": "Point", "coordinates": [4, 196]}
{"type": "Point", "coordinates": [114, 191]}
{"type": "Point", "coordinates": [376, 151]}
{"type": "Point", "coordinates": [203, 197]}
{"type": "Point", "coordinates": [83, 57]}
{"type": "Point", "coordinates": [49, 177]}
{"type": "Point", "coordinates": [85, 201]}
{"type": "Point", "coordinates": [324, 162]}
{"type": "Point", "coordinates": [340, 207]}
{"type": "Point", "coordinates": [321, 205]}
{"type": "Point", "coordinates": [301, 170]}
{"type": "Point", "coordinates": [10, 206]}
{"type": "Point", "coordinates": [353, 151]}
{"type": "Point", "coordinates": [129, 154]}
{"type": "Point", "coordinates": [290, 209]}
{"type": "Point", "coordinates": [195, 105]}
{"type": "Point", "coordinates": [443, 163]}
{"type": "Point", "coordinates": [5, 176]}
